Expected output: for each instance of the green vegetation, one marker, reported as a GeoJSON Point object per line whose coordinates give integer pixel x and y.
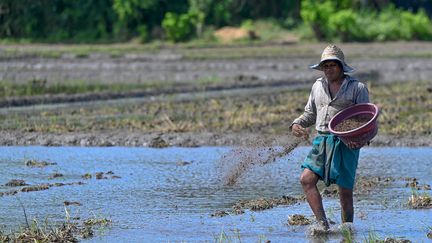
{"type": "Point", "coordinates": [41, 87]}
{"type": "Point", "coordinates": [67, 231]}
{"type": "Point", "coordinates": [108, 21]}
{"type": "Point", "coordinates": [420, 201]}
{"type": "Point", "coordinates": [332, 20]}
{"type": "Point", "coordinates": [372, 237]}
{"type": "Point", "coordinates": [347, 234]}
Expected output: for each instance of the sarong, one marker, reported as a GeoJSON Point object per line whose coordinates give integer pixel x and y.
{"type": "Point", "coordinates": [332, 161]}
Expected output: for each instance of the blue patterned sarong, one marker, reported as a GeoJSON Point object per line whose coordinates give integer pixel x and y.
{"type": "Point", "coordinates": [332, 161]}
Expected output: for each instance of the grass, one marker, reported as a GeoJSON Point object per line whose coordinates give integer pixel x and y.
{"type": "Point", "coordinates": [41, 87]}
{"type": "Point", "coordinates": [235, 236]}
{"type": "Point", "coordinates": [347, 235]}
{"type": "Point", "coordinates": [67, 231]}
{"type": "Point", "coordinates": [372, 237]}
{"type": "Point", "coordinates": [42, 233]}
{"type": "Point", "coordinates": [198, 49]}
{"type": "Point", "coordinates": [405, 112]}
{"type": "Point", "coordinates": [420, 201]}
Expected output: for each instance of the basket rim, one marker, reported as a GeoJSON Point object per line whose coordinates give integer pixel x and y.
{"type": "Point", "coordinates": [373, 119]}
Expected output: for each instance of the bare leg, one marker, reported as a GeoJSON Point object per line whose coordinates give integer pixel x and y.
{"type": "Point", "coordinates": [309, 180]}
{"type": "Point", "coordinates": [346, 201]}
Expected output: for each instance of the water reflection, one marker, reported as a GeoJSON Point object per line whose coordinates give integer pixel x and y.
{"type": "Point", "coordinates": [169, 194]}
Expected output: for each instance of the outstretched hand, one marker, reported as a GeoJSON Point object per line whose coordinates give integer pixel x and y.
{"type": "Point", "coordinates": [299, 131]}
{"type": "Point", "coordinates": [355, 145]}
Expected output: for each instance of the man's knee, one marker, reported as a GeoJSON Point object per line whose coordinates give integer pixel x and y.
{"type": "Point", "coordinates": [308, 178]}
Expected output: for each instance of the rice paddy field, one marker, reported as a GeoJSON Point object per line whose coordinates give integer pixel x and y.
{"type": "Point", "coordinates": [134, 137]}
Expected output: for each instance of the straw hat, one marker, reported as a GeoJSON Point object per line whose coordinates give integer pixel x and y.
{"type": "Point", "coordinates": [332, 52]}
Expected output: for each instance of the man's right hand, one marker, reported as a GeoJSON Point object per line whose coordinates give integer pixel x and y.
{"type": "Point", "coordinates": [299, 131]}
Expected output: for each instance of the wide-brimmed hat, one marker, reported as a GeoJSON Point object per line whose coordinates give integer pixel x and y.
{"type": "Point", "coordinates": [332, 52]}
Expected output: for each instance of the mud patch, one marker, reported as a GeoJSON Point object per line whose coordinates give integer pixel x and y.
{"type": "Point", "coordinates": [35, 163]}
{"type": "Point", "coordinates": [16, 182]}
{"type": "Point", "coordinates": [35, 188]}
{"type": "Point", "coordinates": [40, 187]}
{"type": "Point", "coordinates": [298, 219]}
{"type": "Point", "coordinates": [365, 184]}
{"type": "Point", "coordinates": [56, 175]}
{"type": "Point", "coordinates": [256, 205]}
{"type": "Point", "coordinates": [330, 192]}
{"type": "Point", "coordinates": [264, 203]}
{"type": "Point", "coordinates": [158, 142]}
{"type": "Point", "coordinates": [69, 203]}
{"type": "Point", "coordinates": [8, 193]}
{"type": "Point", "coordinates": [219, 213]}
{"type": "Point", "coordinates": [183, 163]}
{"type": "Point", "coordinates": [414, 184]}
{"type": "Point", "coordinates": [101, 176]}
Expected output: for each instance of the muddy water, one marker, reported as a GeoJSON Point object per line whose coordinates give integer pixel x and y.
{"type": "Point", "coordinates": [169, 194]}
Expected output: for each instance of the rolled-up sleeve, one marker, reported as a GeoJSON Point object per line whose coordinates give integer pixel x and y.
{"type": "Point", "coordinates": [308, 118]}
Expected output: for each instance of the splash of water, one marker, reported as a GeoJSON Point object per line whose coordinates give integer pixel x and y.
{"type": "Point", "coordinates": [317, 230]}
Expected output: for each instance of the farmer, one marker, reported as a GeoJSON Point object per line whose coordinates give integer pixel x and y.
{"type": "Point", "coordinates": [330, 159]}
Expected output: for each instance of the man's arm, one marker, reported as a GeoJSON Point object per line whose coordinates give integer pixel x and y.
{"type": "Point", "coordinates": [307, 119]}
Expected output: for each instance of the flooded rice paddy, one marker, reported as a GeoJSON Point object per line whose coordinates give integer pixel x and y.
{"type": "Point", "coordinates": [170, 194]}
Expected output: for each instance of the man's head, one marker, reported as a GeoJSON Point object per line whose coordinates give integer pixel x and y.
{"type": "Point", "coordinates": [333, 53]}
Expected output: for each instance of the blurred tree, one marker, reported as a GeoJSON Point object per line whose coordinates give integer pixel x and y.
{"type": "Point", "coordinates": [135, 15]}
{"type": "Point", "coordinates": [119, 20]}
{"type": "Point", "coordinates": [56, 20]}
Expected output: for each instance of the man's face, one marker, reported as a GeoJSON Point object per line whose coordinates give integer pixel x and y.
{"type": "Point", "coordinates": [332, 70]}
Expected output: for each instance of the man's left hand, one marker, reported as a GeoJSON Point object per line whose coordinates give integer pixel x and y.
{"type": "Point", "coordinates": [355, 145]}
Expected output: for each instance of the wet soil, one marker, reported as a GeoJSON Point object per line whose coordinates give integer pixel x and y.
{"type": "Point", "coordinates": [264, 203]}
{"type": "Point", "coordinates": [298, 219]}
{"type": "Point", "coordinates": [185, 139]}
{"type": "Point", "coordinates": [35, 188]}
{"type": "Point", "coordinates": [289, 62]}
{"type": "Point", "coordinates": [35, 163]}
{"type": "Point", "coordinates": [414, 184]}
{"type": "Point", "coordinates": [376, 63]}
{"type": "Point", "coordinates": [15, 183]}
{"type": "Point", "coordinates": [259, 204]}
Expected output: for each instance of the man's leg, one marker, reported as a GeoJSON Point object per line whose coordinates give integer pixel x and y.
{"type": "Point", "coordinates": [346, 201]}
{"type": "Point", "coordinates": [309, 180]}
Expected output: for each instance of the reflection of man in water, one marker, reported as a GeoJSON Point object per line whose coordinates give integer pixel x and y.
{"type": "Point", "coordinates": [330, 159]}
